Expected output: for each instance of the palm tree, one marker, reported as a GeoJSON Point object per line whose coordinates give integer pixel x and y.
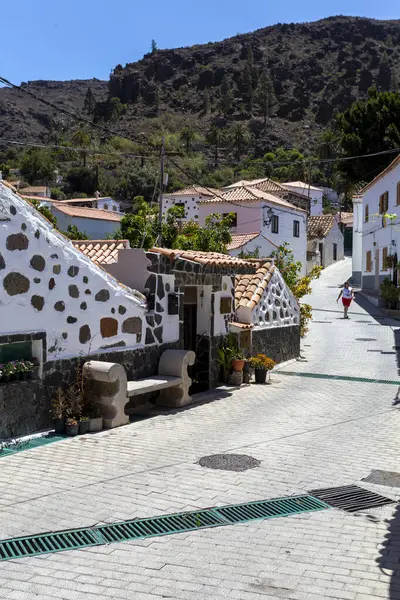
{"type": "Point", "coordinates": [187, 135]}
{"type": "Point", "coordinates": [239, 135]}
{"type": "Point", "coordinates": [83, 140]}
{"type": "Point", "coordinates": [215, 137]}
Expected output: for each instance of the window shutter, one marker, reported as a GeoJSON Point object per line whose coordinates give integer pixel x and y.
{"type": "Point", "coordinates": [384, 257]}
{"type": "Point", "coordinates": [398, 193]}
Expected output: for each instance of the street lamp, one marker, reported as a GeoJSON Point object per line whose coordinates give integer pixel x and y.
{"type": "Point", "coordinates": [270, 214]}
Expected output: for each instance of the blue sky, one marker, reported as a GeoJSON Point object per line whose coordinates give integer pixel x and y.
{"type": "Point", "coordinates": [79, 39]}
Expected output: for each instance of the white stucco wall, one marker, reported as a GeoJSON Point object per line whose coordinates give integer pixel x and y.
{"type": "Point", "coordinates": [375, 237]}
{"type": "Point", "coordinates": [314, 194]}
{"type": "Point", "coordinates": [46, 285]}
{"type": "Point", "coordinates": [95, 229]}
{"type": "Point", "coordinates": [265, 247]}
{"type": "Point", "coordinates": [249, 214]}
{"type": "Point", "coordinates": [221, 320]}
{"type": "Point", "coordinates": [170, 323]}
{"type": "Point", "coordinates": [111, 204]}
{"type": "Point", "coordinates": [357, 255]}
{"type": "Point", "coordinates": [190, 202]}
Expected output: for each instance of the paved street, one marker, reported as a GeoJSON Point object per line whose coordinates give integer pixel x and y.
{"type": "Point", "coordinates": [308, 432]}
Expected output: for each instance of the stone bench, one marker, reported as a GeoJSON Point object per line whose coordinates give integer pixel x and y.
{"type": "Point", "coordinates": [110, 385]}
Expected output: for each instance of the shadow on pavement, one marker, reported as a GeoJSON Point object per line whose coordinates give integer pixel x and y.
{"type": "Point", "coordinates": [389, 559]}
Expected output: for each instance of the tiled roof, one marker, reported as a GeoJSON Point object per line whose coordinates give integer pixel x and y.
{"type": "Point", "coordinates": [241, 325]}
{"type": "Point", "coordinates": [265, 185]}
{"type": "Point", "coordinates": [240, 239]}
{"type": "Point", "coordinates": [87, 213]}
{"type": "Point", "coordinates": [346, 218]}
{"type": "Point", "coordinates": [194, 190]}
{"type": "Point", "coordinates": [248, 194]}
{"type": "Point", "coordinates": [101, 252]}
{"type": "Point", "coordinates": [392, 165]}
{"type": "Point", "coordinates": [213, 259]}
{"type": "Point", "coordinates": [250, 288]}
{"type": "Point", "coordinates": [302, 185]}
{"type": "Point", "coordinates": [319, 227]}
{"type": "Point", "coordinates": [39, 189]}
{"type": "Point", "coordinates": [91, 200]}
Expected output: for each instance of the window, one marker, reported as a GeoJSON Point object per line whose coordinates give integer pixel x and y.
{"type": "Point", "coordinates": [334, 251]}
{"type": "Point", "coordinates": [274, 224]}
{"type": "Point", "coordinates": [366, 213]}
{"type": "Point", "coordinates": [383, 203]}
{"type": "Point", "coordinates": [114, 208]}
{"type": "Point", "coordinates": [368, 256]}
{"type": "Point", "coordinates": [398, 194]}
{"type": "Point", "coordinates": [105, 206]}
{"type": "Point", "coordinates": [384, 257]}
{"type": "Point", "coordinates": [296, 228]}
{"type": "Point", "coordinates": [233, 217]}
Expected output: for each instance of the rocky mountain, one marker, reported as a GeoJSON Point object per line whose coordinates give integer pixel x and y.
{"type": "Point", "coordinates": [286, 82]}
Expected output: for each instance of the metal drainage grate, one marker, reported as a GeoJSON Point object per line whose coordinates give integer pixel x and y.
{"type": "Point", "coordinates": [388, 478]}
{"type": "Point", "coordinates": [75, 539]}
{"type": "Point", "coordinates": [8, 448]}
{"type": "Point", "coordinates": [340, 377]}
{"type": "Point", "coordinates": [351, 498]}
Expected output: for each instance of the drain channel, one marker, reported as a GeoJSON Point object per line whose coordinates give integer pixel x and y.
{"type": "Point", "coordinates": [74, 539]}
{"type": "Point", "coordinates": [339, 377]}
{"type": "Point", "coordinates": [351, 498]}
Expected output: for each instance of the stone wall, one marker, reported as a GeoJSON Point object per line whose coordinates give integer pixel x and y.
{"type": "Point", "coordinates": [25, 405]}
{"type": "Point", "coordinates": [279, 343]}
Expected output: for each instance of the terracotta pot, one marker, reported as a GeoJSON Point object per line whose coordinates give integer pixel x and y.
{"type": "Point", "coordinates": [84, 426]}
{"type": "Point", "coordinates": [237, 365]}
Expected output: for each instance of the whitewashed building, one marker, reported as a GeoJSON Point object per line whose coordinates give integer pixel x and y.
{"type": "Point", "coordinates": [189, 198]}
{"type": "Point", "coordinates": [314, 193]}
{"type": "Point", "coordinates": [277, 220]}
{"type": "Point", "coordinates": [380, 212]}
{"type": "Point", "coordinates": [325, 244]}
{"type": "Point", "coordinates": [96, 223]}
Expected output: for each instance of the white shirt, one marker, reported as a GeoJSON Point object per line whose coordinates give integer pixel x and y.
{"type": "Point", "coordinates": [347, 292]}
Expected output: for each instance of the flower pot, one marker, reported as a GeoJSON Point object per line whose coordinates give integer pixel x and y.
{"type": "Point", "coordinates": [5, 379]}
{"type": "Point", "coordinates": [246, 372]}
{"type": "Point", "coordinates": [71, 430]}
{"type": "Point", "coordinates": [237, 365]}
{"type": "Point", "coordinates": [260, 375]}
{"type": "Point", "coordinates": [84, 426]}
{"type": "Point", "coordinates": [96, 424]}
{"type": "Point", "coordinates": [59, 426]}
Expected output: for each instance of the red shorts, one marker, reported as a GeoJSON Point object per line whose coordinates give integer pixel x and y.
{"type": "Point", "coordinates": [346, 301]}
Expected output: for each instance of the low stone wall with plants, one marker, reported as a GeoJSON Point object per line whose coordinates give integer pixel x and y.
{"type": "Point", "coordinates": [278, 343]}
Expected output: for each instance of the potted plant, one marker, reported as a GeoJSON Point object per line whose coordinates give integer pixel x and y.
{"type": "Point", "coordinates": [261, 365]}
{"type": "Point", "coordinates": [389, 293]}
{"type": "Point", "coordinates": [59, 407]}
{"type": "Point", "coordinates": [246, 371]}
{"type": "Point", "coordinates": [71, 426]}
{"type": "Point", "coordinates": [237, 361]}
{"type": "Point", "coordinates": [84, 423]}
{"type": "Point", "coordinates": [9, 372]}
{"type": "Point", "coordinates": [224, 360]}
{"type": "Point", "coordinates": [96, 418]}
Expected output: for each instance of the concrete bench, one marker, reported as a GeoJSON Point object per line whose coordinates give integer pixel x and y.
{"type": "Point", "coordinates": [110, 385]}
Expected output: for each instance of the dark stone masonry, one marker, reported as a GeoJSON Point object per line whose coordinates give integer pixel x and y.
{"type": "Point", "coordinates": [37, 262]}
{"type": "Point", "coordinates": [17, 241]}
{"type": "Point", "coordinates": [15, 283]}
{"type": "Point", "coordinates": [279, 343]}
{"type": "Point", "coordinates": [102, 296]}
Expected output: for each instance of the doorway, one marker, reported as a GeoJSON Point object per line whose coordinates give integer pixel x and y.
{"type": "Point", "coordinates": [334, 251]}
{"type": "Point", "coordinates": [321, 253]}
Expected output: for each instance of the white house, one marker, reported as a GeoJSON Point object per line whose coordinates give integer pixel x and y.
{"type": "Point", "coordinates": [97, 224]}
{"type": "Point", "coordinates": [103, 203]}
{"type": "Point", "coordinates": [325, 243]}
{"type": "Point", "coordinates": [276, 189]}
{"type": "Point", "coordinates": [380, 225]}
{"type": "Point", "coordinates": [315, 193]}
{"type": "Point", "coordinates": [259, 212]}
{"type": "Point", "coordinates": [189, 198]}
{"type": "Point", "coordinates": [256, 244]}
{"type": "Point", "coordinates": [357, 251]}
{"type": "Point", "coordinates": [37, 191]}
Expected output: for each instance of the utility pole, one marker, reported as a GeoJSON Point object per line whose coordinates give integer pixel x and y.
{"type": "Point", "coordinates": [161, 190]}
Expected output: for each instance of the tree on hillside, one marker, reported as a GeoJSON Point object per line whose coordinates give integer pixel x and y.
{"type": "Point", "coordinates": [247, 87]}
{"type": "Point", "coordinates": [187, 136]}
{"type": "Point", "coordinates": [81, 139]}
{"type": "Point", "coordinates": [215, 137]}
{"type": "Point", "coordinates": [37, 165]}
{"type": "Point", "coordinates": [153, 46]}
{"type": "Point", "coordinates": [81, 179]}
{"type": "Point", "coordinates": [265, 95]}
{"type": "Point", "coordinates": [89, 104]}
{"type": "Point", "coordinates": [368, 126]}
{"type": "Point", "coordinates": [383, 80]}
{"type": "Point", "coordinates": [226, 100]}
{"type": "Point", "coordinates": [239, 136]}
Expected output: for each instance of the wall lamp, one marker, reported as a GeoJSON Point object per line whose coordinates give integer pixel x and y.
{"type": "Point", "coordinates": [268, 219]}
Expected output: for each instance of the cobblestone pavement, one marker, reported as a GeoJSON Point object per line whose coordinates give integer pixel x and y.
{"type": "Point", "coordinates": [307, 433]}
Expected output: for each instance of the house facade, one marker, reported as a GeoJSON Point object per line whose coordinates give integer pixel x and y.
{"type": "Point", "coordinates": [189, 198]}
{"type": "Point", "coordinates": [275, 219]}
{"type": "Point", "coordinates": [380, 225]}
{"type": "Point", "coordinates": [325, 241]}
{"type": "Point", "coordinates": [314, 193]}
{"type": "Point", "coordinates": [94, 222]}
{"type": "Point", "coordinates": [37, 191]}
{"type": "Point", "coordinates": [255, 244]}
{"type": "Point", "coordinates": [357, 242]}
{"type": "Point", "coordinates": [103, 203]}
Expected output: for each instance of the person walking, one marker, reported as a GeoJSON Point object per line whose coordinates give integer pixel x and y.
{"type": "Point", "coordinates": [347, 294]}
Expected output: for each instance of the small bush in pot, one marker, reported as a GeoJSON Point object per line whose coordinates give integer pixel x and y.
{"type": "Point", "coordinates": [84, 423]}
{"type": "Point", "coordinates": [96, 418]}
{"type": "Point", "coordinates": [261, 365]}
{"type": "Point", "coordinates": [59, 407]}
{"type": "Point", "coordinates": [237, 361]}
{"type": "Point", "coordinates": [71, 426]}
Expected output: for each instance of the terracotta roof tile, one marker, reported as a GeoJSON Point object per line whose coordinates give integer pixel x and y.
{"type": "Point", "coordinates": [248, 194]}
{"type": "Point", "coordinates": [241, 325]}
{"type": "Point", "coordinates": [87, 213]}
{"type": "Point", "coordinates": [101, 252]}
{"type": "Point", "coordinates": [194, 190]}
{"type": "Point", "coordinates": [267, 185]}
{"type": "Point", "coordinates": [39, 189]}
{"type": "Point", "coordinates": [250, 288]}
{"type": "Point", "coordinates": [214, 259]}
{"type": "Point", "coordinates": [90, 200]}
{"type": "Point", "coordinates": [302, 185]}
{"type": "Point", "coordinates": [319, 227]}
{"type": "Point", "coordinates": [346, 218]}
{"type": "Point", "coordinates": [241, 239]}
